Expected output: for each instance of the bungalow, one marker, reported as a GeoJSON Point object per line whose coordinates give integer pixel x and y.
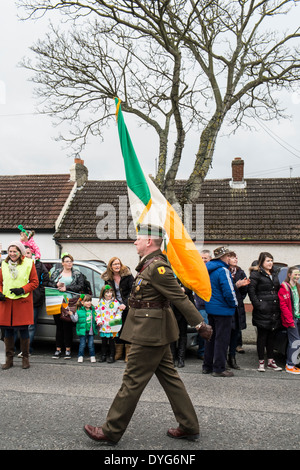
{"type": "Point", "coordinates": [249, 216]}
{"type": "Point", "coordinates": [92, 219]}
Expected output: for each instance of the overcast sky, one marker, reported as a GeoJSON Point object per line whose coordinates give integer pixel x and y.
{"type": "Point", "coordinates": [28, 145]}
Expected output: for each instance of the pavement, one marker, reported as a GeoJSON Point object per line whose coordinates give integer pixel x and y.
{"type": "Point", "coordinates": [46, 406]}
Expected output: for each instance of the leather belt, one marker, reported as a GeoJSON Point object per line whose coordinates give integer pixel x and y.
{"type": "Point", "coordinates": [148, 304]}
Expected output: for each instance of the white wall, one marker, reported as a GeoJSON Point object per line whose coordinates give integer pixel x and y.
{"type": "Point", "coordinates": [44, 241]}
{"type": "Point", "coordinates": [289, 254]}
{"type": "Point", "coordinates": [104, 251]}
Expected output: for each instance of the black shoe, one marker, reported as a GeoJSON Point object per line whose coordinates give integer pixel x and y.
{"type": "Point", "coordinates": [56, 355]}
{"type": "Point", "coordinates": [180, 362]}
{"type": "Point", "coordinates": [110, 359]}
{"type": "Point", "coordinates": [67, 355]}
{"type": "Point", "coordinates": [102, 359]}
{"type": "Point", "coordinates": [232, 363]}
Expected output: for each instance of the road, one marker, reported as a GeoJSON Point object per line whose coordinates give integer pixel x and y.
{"type": "Point", "coordinates": [46, 406]}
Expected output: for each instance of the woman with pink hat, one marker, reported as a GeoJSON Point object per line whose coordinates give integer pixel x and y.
{"type": "Point", "coordinates": [18, 278]}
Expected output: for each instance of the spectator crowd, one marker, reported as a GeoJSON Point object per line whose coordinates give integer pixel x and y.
{"type": "Point", "coordinates": [23, 278]}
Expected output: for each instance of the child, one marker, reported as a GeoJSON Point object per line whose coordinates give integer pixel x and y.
{"type": "Point", "coordinates": [108, 309]}
{"type": "Point", "coordinates": [86, 328]}
{"type": "Point", "coordinates": [289, 294]}
{"type": "Point", "coordinates": [26, 237]}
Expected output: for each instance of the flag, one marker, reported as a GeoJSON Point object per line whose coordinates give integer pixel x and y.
{"type": "Point", "coordinates": [149, 206]}
{"type": "Point", "coordinates": [54, 300]}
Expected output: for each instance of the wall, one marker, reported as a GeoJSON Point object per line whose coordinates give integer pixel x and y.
{"type": "Point", "coordinates": [104, 251]}
{"type": "Point", "coordinates": [44, 241]}
{"type": "Point", "coordinates": [289, 254]}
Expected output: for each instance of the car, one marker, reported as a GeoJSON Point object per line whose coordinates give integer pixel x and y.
{"type": "Point", "coordinates": [93, 270]}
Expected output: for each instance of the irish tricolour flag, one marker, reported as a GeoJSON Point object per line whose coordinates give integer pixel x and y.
{"type": "Point", "coordinates": [54, 300]}
{"type": "Point", "coordinates": [149, 206]}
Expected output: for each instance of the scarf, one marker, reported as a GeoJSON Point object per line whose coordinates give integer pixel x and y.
{"type": "Point", "coordinates": [13, 269]}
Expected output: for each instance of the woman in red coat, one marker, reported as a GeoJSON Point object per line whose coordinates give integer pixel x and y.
{"type": "Point", "coordinates": [18, 278]}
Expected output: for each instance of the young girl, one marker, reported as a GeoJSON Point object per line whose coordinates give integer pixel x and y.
{"type": "Point", "coordinates": [86, 328]}
{"type": "Point", "coordinates": [108, 309]}
{"type": "Point", "coordinates": [26, 237]}
{"type": "Point", "coordinates": [289, 294]}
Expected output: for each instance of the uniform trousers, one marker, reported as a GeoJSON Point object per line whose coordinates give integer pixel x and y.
{"type": "Point", "coordinates": [143, 363]}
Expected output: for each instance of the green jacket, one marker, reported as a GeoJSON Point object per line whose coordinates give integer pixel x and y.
{"type": "Point", "coordinates": [156, 284]}
{"type": "Point", "coordinates": [81, 325]}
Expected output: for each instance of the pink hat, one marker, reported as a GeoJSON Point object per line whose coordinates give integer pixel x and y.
{"type": "Point", "coordinates": [19, 245]}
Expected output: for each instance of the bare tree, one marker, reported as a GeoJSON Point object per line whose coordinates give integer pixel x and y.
{"type": "Point", "coordinates": [181, 63]}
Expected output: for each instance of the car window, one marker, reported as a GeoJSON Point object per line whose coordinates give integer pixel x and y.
{"type": "Point", "coordinates": [88, 274]}
{"type": "Point", "coordinates": [51, 267]}
{"type": "Point", "coordinates": [99, 283]}
{"type": "Point", "coordinates": [93, 277]}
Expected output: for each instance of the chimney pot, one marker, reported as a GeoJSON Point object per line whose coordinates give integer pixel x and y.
{"type": "Point", "coordinates": [78, 160]}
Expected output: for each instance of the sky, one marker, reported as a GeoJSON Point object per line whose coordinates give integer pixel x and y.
{"type": "Point", "coordinates": [28, 145]}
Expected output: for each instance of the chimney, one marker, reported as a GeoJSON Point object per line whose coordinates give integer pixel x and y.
{"type": "Point", "coordinates": [237, 180]}
{"type": "Point", "coordinates": [79, 172]}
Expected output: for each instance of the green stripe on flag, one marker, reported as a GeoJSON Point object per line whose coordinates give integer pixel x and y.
{"type": "Point", "coordinates": [135, 177]}
{"type": "Point", "coordinates": [54, 300]}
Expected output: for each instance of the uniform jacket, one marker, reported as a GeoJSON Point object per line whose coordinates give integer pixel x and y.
{"type": "Point", "coordinates": [223, 299]}
{"type": "Point", "coordinates": [189, 293]}
{"type": "Point", "coordinates": [285, 296]}
{"type": "Point", "coordinates": [19, 311]}
{"type": "Point", "coordinates": [263, 292]}
{"type": "Point", "coordinates": [156, 283]}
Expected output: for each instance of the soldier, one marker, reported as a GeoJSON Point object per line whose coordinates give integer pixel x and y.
{"type": "Point", "coordinates": [150, 328]}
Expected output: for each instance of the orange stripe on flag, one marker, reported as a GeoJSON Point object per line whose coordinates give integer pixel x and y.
{"type": "Point", "coordinates": [184, 257]}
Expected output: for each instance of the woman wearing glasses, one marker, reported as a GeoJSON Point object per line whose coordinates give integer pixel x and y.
{"type": "Point", "coordinates": [71, 280]}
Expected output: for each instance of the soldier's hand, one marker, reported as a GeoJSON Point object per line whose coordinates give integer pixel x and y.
{"type": "Point", "coordinates": [205, 331]}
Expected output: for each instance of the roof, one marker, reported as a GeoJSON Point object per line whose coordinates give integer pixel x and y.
{"type": "Point", "coordinates": [34, 201]}
{"type": "Point", "coordinates": [93, 202]}
{"type": "Point", "coordinates": [266, 209]}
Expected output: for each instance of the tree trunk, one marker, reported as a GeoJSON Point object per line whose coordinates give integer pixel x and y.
{"type": "Point", "coordinates": [203, 159]}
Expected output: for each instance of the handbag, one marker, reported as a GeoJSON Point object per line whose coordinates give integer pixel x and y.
{"type": "Point", "coordinates": [72, 306]}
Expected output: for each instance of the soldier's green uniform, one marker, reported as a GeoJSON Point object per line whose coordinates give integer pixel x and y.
{"type": "Point", "coordinates": [150, 328]}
